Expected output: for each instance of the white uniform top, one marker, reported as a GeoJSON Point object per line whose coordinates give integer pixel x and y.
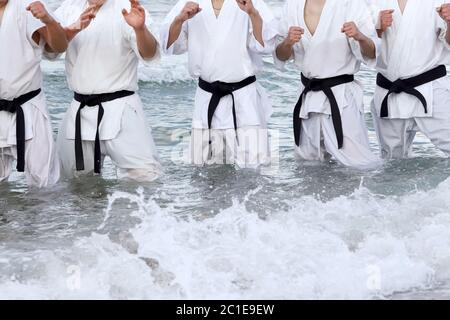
{"type": "Point", "coordinates": [20, 56]}
{"type": "Point", "coordinates": [328, 53]}
{"type": "Point", "coordinates": [20, 70]}
{"type": "Point", "coordinates": [103, 58]}
{"type": "Point", "coordinates": [224, 49]}
{"type": "Point", "coordinates": [414, 44]}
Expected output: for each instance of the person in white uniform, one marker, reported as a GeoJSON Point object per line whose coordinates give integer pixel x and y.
{"type": "Point", "coordinates": [225, 40]}
{"type": "Point", "coordinates": [328, 40]}
{"type": "Point", "coordinates": [26, 27]}
{"type": "Point", "coordinates": [107, 38]}
{"type": "Point", "coordinates": [413, 90]}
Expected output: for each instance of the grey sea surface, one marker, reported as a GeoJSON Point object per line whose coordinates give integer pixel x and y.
{"type": "Point", "coordinates": [299, 231]}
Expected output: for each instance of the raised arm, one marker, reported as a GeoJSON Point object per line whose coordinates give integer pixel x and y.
{"type": "Point", "coordinates": [53, 34]}
{"type": "Point", "coordinates": [146, 42]}
{"type": "Point", "coordinates": [285, 49]}
{"type": "Point", "coordinates": [255, 18]}
{"type": "Point", "coordinates": [190, 10]}
{"type": "Point", "coordinates": [368, 48]}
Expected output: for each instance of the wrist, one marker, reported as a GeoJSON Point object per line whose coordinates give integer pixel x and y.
{"type": "Point", "coordinates": [253, 13]}
{"type": "Point", "coordinates": [179, 19]}
{"type": "Point", "coordinates": [289, 43]}
{"type": "Point", "coordinates": [48, 21]}
{"type": "Point", "coordinates": [360, 37]}
{"type": "Point", "coordinates": [139, 28]}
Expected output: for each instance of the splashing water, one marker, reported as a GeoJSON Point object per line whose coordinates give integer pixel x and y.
{"type": "Point", "coordinates": [305, 231]}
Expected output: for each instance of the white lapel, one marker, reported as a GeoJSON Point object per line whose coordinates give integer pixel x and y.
{"type": "Point", "coordinates": [322, 31]}
{"type": "Point", "coordinates": [404, 32]}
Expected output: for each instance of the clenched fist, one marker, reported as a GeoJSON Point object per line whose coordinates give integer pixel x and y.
{"type": "Point", "coordinates": [294, 35]}
{"type": "Point", "coordinates": [190, 10]}
{"type": "Point", "coordinates": [444, 12]}
{"type": "Point", "coordinates": [246, 6]}
{"type": "Point", "coordinates": [38, 11]}
{"type": "Point", "coordinates": [351, 31]}
{"type": "Point", "coordinates": [386, 19]}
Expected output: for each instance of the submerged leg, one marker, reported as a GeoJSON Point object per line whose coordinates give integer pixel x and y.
{"type": "Point", "coordinates": [356, 150]}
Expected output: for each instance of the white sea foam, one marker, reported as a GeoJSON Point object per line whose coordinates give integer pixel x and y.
{"type": "Point", "coordinates": [362, 246]}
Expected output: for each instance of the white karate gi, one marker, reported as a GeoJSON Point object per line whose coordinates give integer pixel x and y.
{"type": "Point", "coordinates": [20, 73]}
{"type": "Point", "coordinates": [104, 58]}
{"type": "Point", "coordinates": [329, 53]}
{"type": "Point", "coordinates": [224, 49]}
{"type": "Point", "coordinates": [414, 44]}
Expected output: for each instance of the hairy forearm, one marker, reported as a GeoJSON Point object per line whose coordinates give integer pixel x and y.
{"type": "Point", "coordinates": [284, 51]}
{"type": "Point", "coordinates": [55, 37]}
{"type": "Point", "coordinates": [146, 43]}
{"type": "Point", "coordinates": [175, 31]}
{"type": "Point", "coordinates": [367, 47]}
{"type": "Point", "coordinates": [257, 24]}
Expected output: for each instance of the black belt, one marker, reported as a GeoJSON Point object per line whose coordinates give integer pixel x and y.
{"type": "Point", "coordinates": [92, 100]}
{"type": "Point", "coordinates": [325, 86]}
{"type": "Point", "coordinates": [15, 106]}
{"type": "Point", "coordinates": [219, 90]}
{"type": "Point", "coordinates": [408, 86]}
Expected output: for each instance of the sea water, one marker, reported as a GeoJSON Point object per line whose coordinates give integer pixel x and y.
{"type": "Point", "coordinates": [298, 230]}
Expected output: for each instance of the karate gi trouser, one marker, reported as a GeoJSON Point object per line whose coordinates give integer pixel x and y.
{"type": "Point", "coordinates": [41, 160]}
{"type": "Point", "coordinates": [396, 136]}
{"type": "Point", "coordinates": [250, 150]}
{"type": "Point", "coordinates": [318, 140]}
{"type": "Point", "coordinates": [132, 150]}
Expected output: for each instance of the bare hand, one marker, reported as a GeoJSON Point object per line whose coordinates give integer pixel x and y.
{"type": "Point", "coordinates": [190, 10]}
{"type": "Point", "coordinates": [444, 12]}
{"type": "Point", "coordinates": [294, 35]}
{"type": "Point", "coordinates": [136, 17]}
{"type": "Point", "coordinates": [247, 6]}
{"type": "Point", "coordinates": [38, 11]}
{"type": "Point", "coordinates": [85, 19]}
{"type": "Point", "coordinates": [351, 31]}
{"type": "Point", "coordinates": [386, 19]}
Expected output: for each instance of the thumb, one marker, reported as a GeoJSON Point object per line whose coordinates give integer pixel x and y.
{"type": "Point", "coordinates": [28, 8]}
{"type": "Point", "coordinates": [124, 12]}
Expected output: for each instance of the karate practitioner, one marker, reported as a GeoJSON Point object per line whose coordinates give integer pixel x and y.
{"type": "Point", "coordinates": [328, 40]}
{"type": "Point", "coordinates": [224, 40]}
{"type": "Point", "coordinates": [413, 90]}
{"type": "Point", "coordinates": [25, 128]}
{"type": "Point", "coordinates": [106, 118]}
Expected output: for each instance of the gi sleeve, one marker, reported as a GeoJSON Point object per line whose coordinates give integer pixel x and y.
{"type": "Point", "coordinates": [361, 15]}
{"type": "Point", "coordinates": [180, 46]}
{"type": "Point", "coordinates": [32, 23]}
{"type": "Point", "coordinates": [269, 30]}
{"type": "Point", "coordinates": [130, 36]}
{"type": "Point", "coordinates": [282, 33]}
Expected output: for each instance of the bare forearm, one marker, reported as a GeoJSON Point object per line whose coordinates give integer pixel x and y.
{"type": "Point", "coordinates": [367, 47]}
{"type": "Point", "coordinates": [55, 37]}
{"type": "Point", "coordinates": [175, 31]}
{"type": "Point", "coordinates": [146, 43]}
{"type": "Point", "coordinates": [257, 24]}
{"type": "Point", "coordinates": [284, 51]}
